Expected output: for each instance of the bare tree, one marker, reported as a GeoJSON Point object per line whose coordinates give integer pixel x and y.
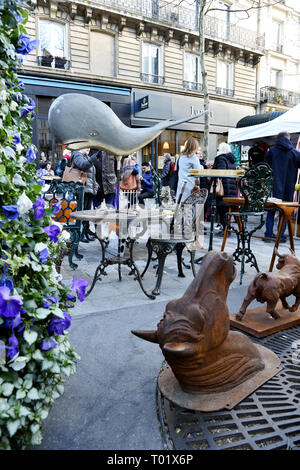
{"type": "Point", "coordinates": [205, 6]}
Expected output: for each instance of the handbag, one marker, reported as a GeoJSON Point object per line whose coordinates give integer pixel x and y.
{"type": "Point", "coordinates": [74, 174]}
{"type": "Point", "coordinates": [130, 184]}
{"type": "Point", "coordinates": [219, 188]}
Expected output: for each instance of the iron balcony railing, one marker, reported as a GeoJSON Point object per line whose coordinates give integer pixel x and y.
{"type": "Point", "coordinates": [224, 91]}
{"type": "Point", "coordinates": [192, 85]}
{"type": "Point", "coordinates": [188, 18]}
{"type": "Point", "coordinates": [149, 78]}
{"type": "Point", "coordinates": [274, 95]}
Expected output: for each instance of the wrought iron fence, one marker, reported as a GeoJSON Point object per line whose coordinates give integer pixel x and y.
{"type": "Point", "coordinates": [276, 95]}
{"type": "Point", "coordinates": [192, 85]}
{"type": "Point", "coordinates": [188, 18]}
{"type": "Point", "coordinates": [224, 91]}
{"type": "Point", "coordinates": [149, 78]}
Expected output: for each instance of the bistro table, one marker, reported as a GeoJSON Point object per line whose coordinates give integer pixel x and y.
{"type": "Point", "coordinates": [214, 175]}
{"type": "Point", "coordinates": [286, 209]}
{"type": "Point", "coordinates": [130, 224]}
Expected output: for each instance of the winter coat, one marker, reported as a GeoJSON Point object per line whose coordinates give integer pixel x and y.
{"type": "Point", "coordinates": [226, 161]}
{"type": "Point", "coordinates": [147, 182]}
{"type": "Point", "coordinates": [165, 176]}
{"type": "Point", "coordinates": [105, 166]}
{"type": "Point", "coordinates": [284, 159]}
{"type": "Point", "coordinates": [85, 163]}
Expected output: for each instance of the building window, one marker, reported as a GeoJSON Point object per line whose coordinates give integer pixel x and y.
{"type": "Point", "coordinates": [152, 64]}
{"type": "Point", "coordinates": [102, 54]}
{"type": "Point", "coordinates": [192, 78]}
{"type": "Point", "coordinates": [224, 78]}
{"type": "Point", "coordinates": [277, 29]}
{"type": "Point", "coordinates": [53, 45]}
{"type": "Point", "coordinates": [276, 78]}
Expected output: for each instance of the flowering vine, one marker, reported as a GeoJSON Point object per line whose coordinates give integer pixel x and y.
{"type": "Point", "coordinates": [35, 352]}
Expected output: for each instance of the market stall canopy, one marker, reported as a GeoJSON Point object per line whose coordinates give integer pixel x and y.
{"type": "Point", "coordinates": [288, 121]}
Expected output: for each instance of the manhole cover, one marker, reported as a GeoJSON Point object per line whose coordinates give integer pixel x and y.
{"type": "Point", "coordinates": [267, 419]}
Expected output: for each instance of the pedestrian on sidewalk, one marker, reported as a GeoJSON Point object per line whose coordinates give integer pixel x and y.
{"type": "Point", "coordinates": [225, 160]}
{"type": "Point", "coordinates": [187, 161]}
{"type": "Point", "coordinates": [106, 167]}
{"type": "Point", "coordinates": [147, 186]}
{"type": "Point", "coordinates": [284, 160]}
{"type": "Point", "coordinates": [82, 161]}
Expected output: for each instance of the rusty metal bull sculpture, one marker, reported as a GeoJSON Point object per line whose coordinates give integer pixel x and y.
{"type": "Point", "coordinates": [194, 333]}
{"type": "Point", "coordinates": [270, 287]}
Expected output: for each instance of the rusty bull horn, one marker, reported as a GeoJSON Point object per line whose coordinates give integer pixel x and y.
{"type": "Point", "coordinates": [81, 121]}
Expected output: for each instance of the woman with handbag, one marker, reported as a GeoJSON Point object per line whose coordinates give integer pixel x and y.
{"type": "Point", "coordinates": [187, 161]}
{"type": "Point", "coordinates": [226, 187]}
{"type": "Point", "coordinates": [82, 161]}
{"type": "Point", "coordinates": [130, 179]}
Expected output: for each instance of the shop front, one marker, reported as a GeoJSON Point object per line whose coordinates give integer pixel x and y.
{"type": "Point", "coordinates": [148, 107]}
{"type": "Point", "coordinates": [44, 90]}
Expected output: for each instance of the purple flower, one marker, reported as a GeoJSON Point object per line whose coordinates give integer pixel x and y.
{"type": "Point", "coordinates": [30, 155]}
{"type": "Point", "coordinates": [52, 231]}
{"type": "Point", "coordinates": [79, 286]}
{"type": "Point", "coordinates": [59, 325]}
{"type": "Point", "coordinates": [39, 208]}
{"type": "Point", "coordinates": [71, 297]}
{"type": "Point", "coordinates": [13, 349]}
{"type": "Point", "coordinates": [16, 140]}
{"type": "Point", "coordinates": [48, 344]}
{"type": "Point", "coordinates": [10, 305]}
{"type": "Point", "coordinates": [44, 255]}
{"type": "Point", "coordinates": [49, 299]}
{"type": "Point", "coordinates": [28, 108]}
{"type": "Point", "coordinates": [26, 45]}
{"type": "Point", "coordinates": [10, 212]}
{"type": "Point", "coordinates": [12, 323]}
{"type": "Point", "coordinates": [56, 207]}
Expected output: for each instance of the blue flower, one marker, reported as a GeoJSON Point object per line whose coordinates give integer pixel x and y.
{"type": "Point", "coordinates": [10, 305]}
{"type": "Point", "coordinates": [79, 286]}
{"type": "Point", "coordinates": [56, 207]}
{"type": "Point", "coordinates": [10, 212]}
{"type": "Point", "coordinates": [16, 140]}
{"type": "Point", "coordinates": [48, 344]}
{"type": "Point", "coordinates": [13, 349]}
{"type": "Point", "coordinates": [52, 231]}
{"type": "Point", "coordinates": [28, 108]}
{"type": "Point", "coordinates": [59, 325]}
{"type": "Point", "coordinates": [5, 281]}
{"type": "Point", "coordinates": [44, 255]}
{"type": "Point", "coordinates": [26, 45]}
{"type": "Point", "coordinates": [39, 208]}
{"type": "Point", "coordinates": [71, 297]}
{"type": "Point", "coordinates": [30, 155]}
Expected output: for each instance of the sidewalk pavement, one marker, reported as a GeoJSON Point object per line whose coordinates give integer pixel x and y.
{"type": "Point", "coordinates": [110, 403]}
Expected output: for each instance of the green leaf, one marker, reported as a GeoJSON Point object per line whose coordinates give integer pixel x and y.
{"type": "Point", "coordinates": [42, 313]}
{"type": "Point", "coordinates": [13, 426]}
{"type": "Point", "coordinates": [7, 389]}
{"type": "Point", "coordinates": [33, 394]}
{"type": "Point", "coordinates": [30, 336]}
{"type": "Point", "coordinates": [20, 394]}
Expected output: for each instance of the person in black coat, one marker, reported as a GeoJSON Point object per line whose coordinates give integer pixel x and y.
{"type": "Point", "coordinates": [284, 160]}
{"type": "Point", "coordinates": [225, 160]}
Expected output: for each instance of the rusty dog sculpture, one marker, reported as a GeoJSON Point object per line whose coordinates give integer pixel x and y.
{"type": "Point", "coordinates": [194, 333]}
{"type": "Point", "coordinates": [270, 287]}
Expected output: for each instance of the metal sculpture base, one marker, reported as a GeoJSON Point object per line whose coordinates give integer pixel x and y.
{"type": "Point", "coordinates": [170, 388]}
{"type": "Point", "coordinates": [257, 322]}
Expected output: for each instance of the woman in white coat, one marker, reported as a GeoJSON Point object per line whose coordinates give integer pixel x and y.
{"type": "Point", "coordinates": [187, 161]}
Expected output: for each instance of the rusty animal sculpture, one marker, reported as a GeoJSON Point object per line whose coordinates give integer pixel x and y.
{"type": "Point", "coordinates": [194, 333]}
{"type": "Point", "coordinates": [270, 287]}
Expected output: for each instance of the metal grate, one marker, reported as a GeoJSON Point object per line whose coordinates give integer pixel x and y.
{"type": "Point", "coordinates": [268, 419]}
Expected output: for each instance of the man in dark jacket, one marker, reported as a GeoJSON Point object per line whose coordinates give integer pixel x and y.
{"type": "Point", "coordinates": [147, 188]}
{"type": "Point", "coordinates": [225, 160]}
{"type": "Point", "coordinates": [84, 162]}
{"type": "Point", "coordinates": [284, 160]}
{"type": "Point", "coordinates": [106, 168]}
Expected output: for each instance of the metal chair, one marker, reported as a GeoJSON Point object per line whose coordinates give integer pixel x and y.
{"type": "Point", "coordinates": [183, 233]}
{"type": "Point", "coordinates": [255, 186]}
{"type": "Point", "coordinates": [70, 195]}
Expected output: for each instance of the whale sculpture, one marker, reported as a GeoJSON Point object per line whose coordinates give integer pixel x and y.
{"type": "Point", "coordinates": [194, 334]}
{"type": "Point", "coordinates": [81, 121]}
